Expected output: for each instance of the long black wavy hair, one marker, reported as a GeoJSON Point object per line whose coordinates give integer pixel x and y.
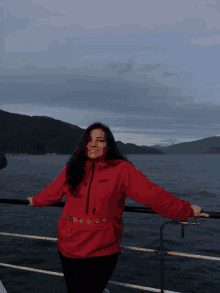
{"type": "Point", "coordinates": [76, 163]}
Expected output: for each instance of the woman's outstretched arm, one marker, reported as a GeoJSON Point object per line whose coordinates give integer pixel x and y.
{"type": "Point", "coordinates": [137, 186]}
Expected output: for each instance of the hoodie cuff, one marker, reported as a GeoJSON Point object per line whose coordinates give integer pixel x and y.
{"type": "Point", "coordinates": [191, 212]}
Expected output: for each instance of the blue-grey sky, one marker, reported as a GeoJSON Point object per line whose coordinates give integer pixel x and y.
{"type": "Point", "coordinates": [150, 70]}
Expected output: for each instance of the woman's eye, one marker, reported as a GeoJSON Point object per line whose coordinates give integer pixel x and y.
{"type": "Point", "coordinates": [96, 140]}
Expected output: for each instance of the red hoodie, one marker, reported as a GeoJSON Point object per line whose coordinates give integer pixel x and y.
{"type": "Point", "coordinates": [91, 224]}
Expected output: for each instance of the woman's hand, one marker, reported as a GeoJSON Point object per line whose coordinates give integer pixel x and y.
{"type": "Point", "coordinates": [30, 201]}
{"type": "Point", "coordinates": [197, 211]}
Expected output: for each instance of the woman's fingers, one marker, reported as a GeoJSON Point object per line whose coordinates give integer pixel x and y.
{"type": "Point", "coordinates": [204, 215]}
{"type": "Point", "coordinates": [197, 212]}
{"type": "Point", "coordinates": [30, 201]}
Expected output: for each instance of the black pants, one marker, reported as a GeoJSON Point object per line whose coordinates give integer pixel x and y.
{"type": "Point", "coordinates": [88, 275]}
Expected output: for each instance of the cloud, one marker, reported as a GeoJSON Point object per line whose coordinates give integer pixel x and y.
{"type": "Point", "coordinates": [131, 17]}
{"type": "Point", "coordinates": [205, 41]}
{"type": "Point", "coordinates": [148, 67]}
{"type": "Point", "coordinates": [215, 5]}
{"type": "Point", "coordinates": [11, 23]}
{"type": "Point", "coordinates": [168, 57]}
{"type": "Point", "coordinates": [120, 68]}
{"type": "Point", "coordinates": [168, 74]}
{"type": "Point", "coordinates": [217, 86]}
{"type": "Point", "coordinates": [143, 13]}
{"type": "Point", "coordinates": [140, 102]}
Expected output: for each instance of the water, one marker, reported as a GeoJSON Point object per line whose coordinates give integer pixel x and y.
{"type": "Point", "coordinates": [194, 178]}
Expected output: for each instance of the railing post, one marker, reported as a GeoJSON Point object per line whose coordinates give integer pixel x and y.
{"type": "Point", "coordinates": [162, 253]}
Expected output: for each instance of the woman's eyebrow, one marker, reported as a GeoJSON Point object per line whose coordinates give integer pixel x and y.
{"type": "Point", "coordinates": [98, 137]}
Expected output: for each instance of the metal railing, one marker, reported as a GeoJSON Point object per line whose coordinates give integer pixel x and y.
{"type": "Point", "coordinates": [161, 252]}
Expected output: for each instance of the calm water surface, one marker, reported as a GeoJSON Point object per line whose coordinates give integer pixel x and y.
{"type": "Point", "coordinates": [194, 178]}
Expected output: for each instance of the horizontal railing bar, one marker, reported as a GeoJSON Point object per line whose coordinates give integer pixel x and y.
{"type": "Point", "coordinates": [213, 215]}
{"type": "Point", "coordinates": [109, 282]}
{"type": "Point", "coordinates": [122, 246]}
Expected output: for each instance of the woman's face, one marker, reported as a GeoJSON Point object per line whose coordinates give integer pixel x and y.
{"type": "Point", "coordinates": [96, 146]}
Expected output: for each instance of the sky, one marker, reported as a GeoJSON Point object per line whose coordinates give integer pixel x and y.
{"type": "Point", "coordinates": [149, 69]}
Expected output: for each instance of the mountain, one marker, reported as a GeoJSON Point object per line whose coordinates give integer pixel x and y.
{"type": "Point", "coordinates": [131, 148]}
{"type": "Point", "coordinates": [157, 146]}
{"type": "Point", "coordinates": [38, 135]}
{"type": "Point", "coordinates": [209, 145]}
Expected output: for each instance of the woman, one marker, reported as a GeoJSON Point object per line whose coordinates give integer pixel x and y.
{"type": "Point", "coordinates": [96, 180]}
